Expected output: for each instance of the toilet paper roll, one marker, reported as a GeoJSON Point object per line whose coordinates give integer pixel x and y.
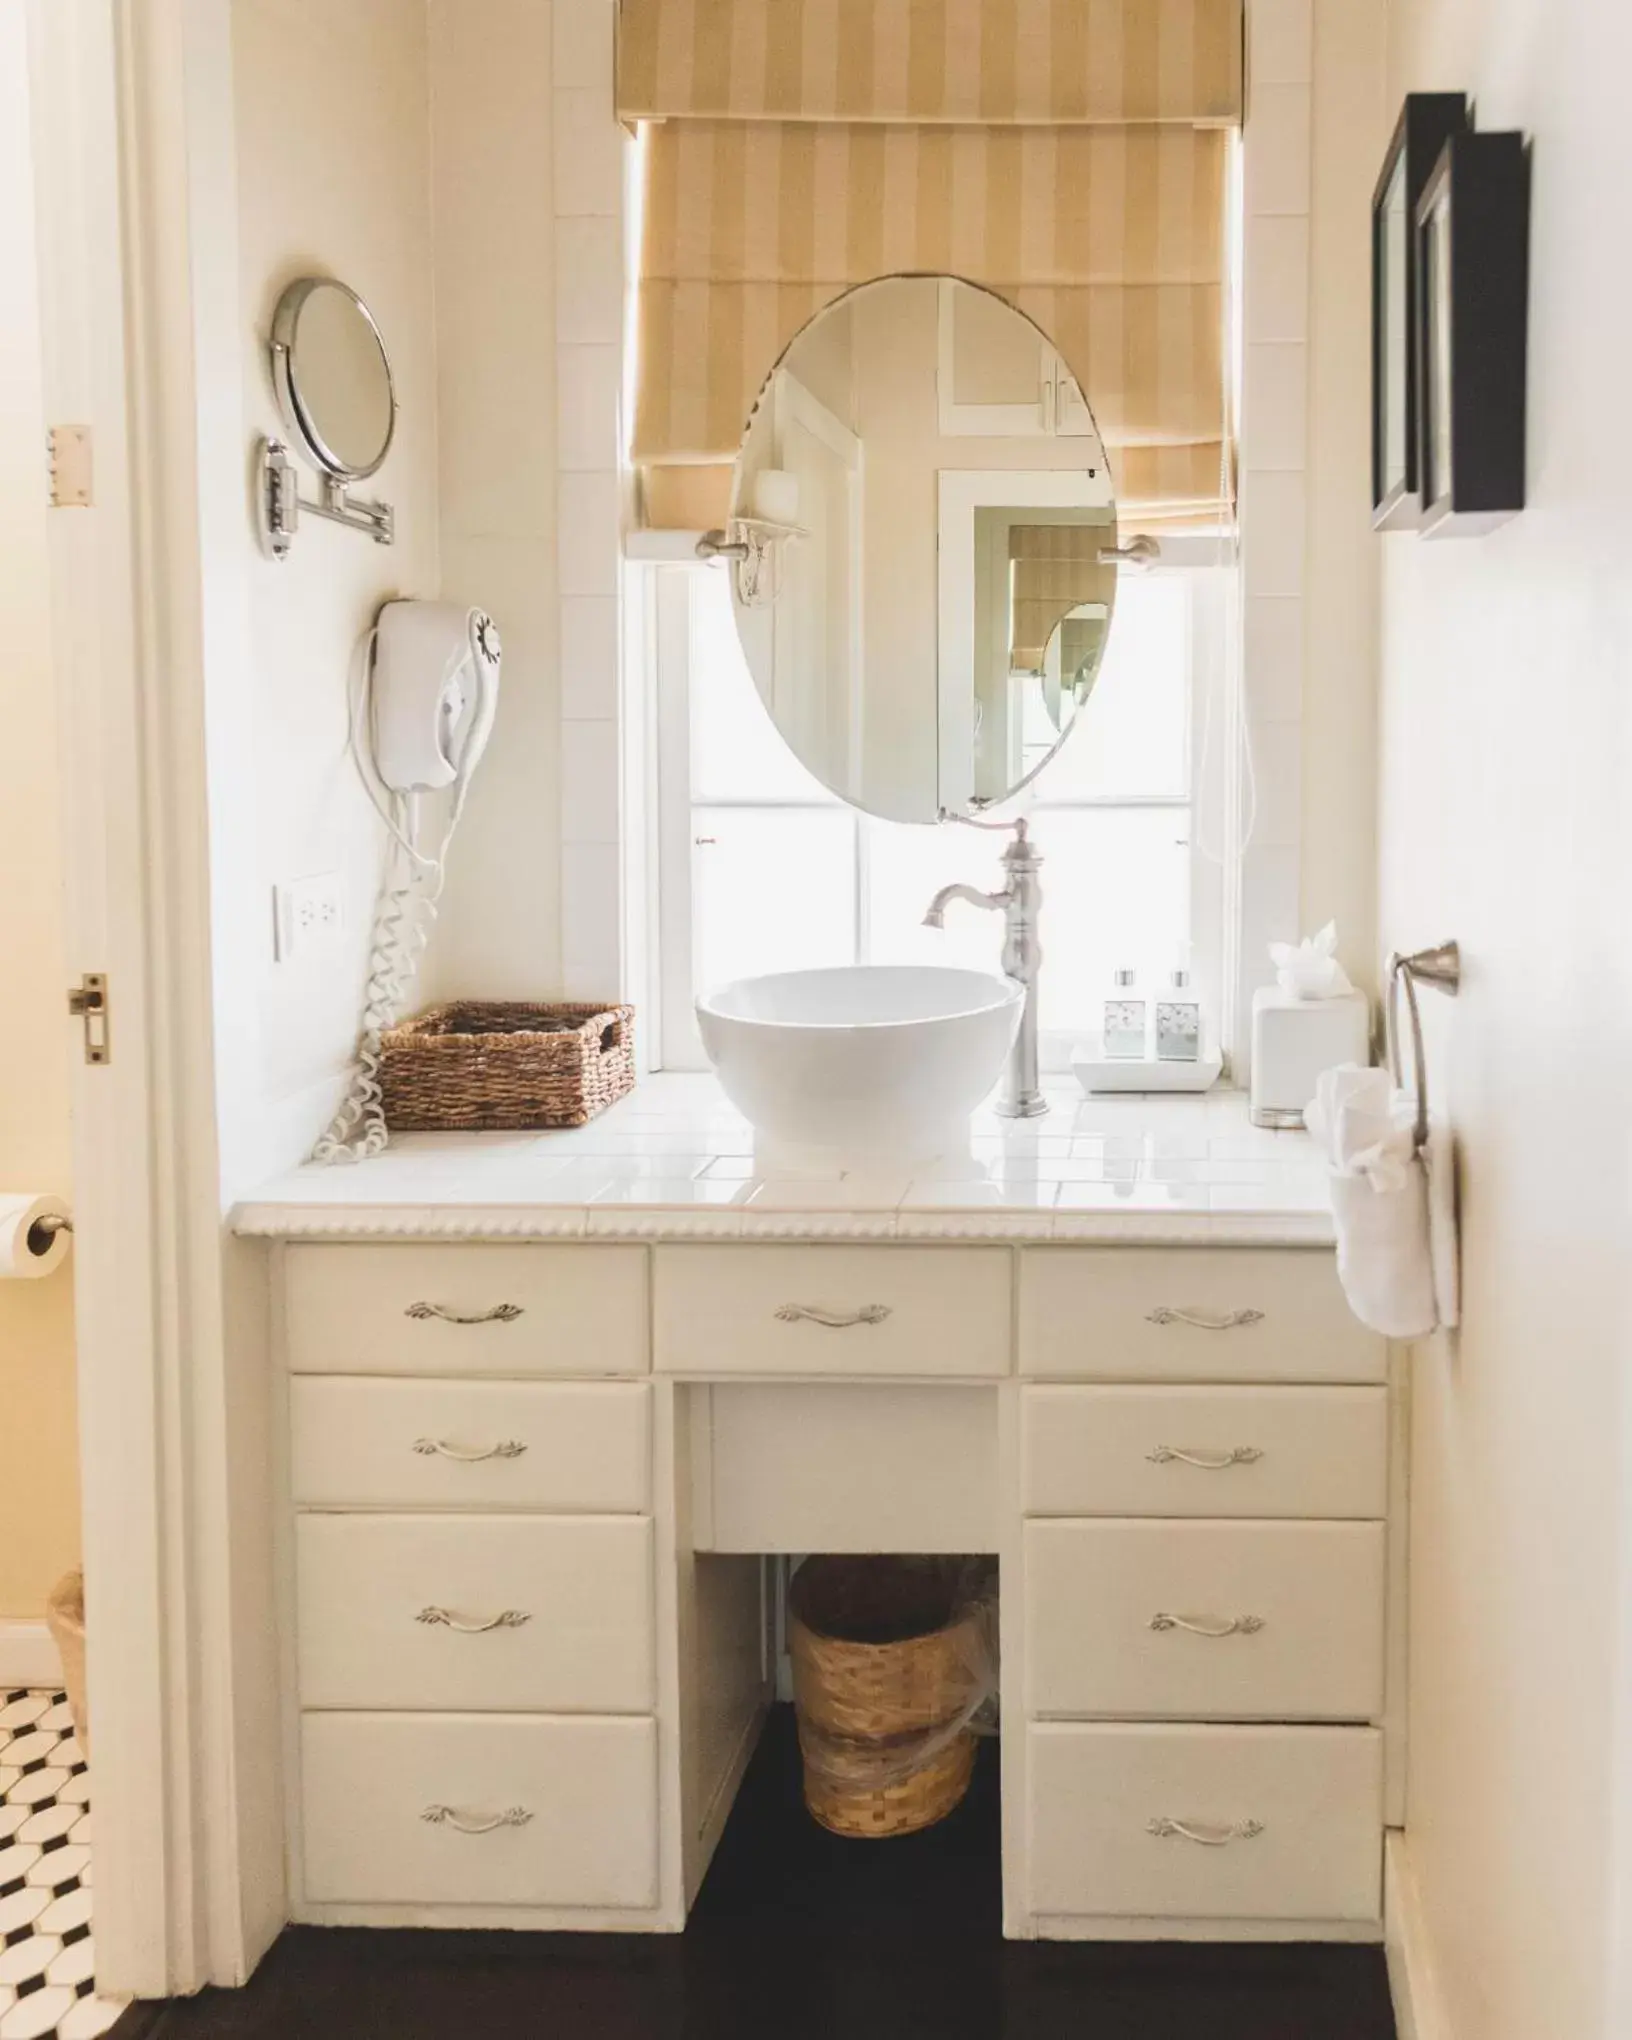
{"type": "Point", "coordinates": [28, 1248]}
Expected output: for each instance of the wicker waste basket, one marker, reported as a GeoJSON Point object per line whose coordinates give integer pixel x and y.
{"type": "Point", "coordinates": [491, 1064]}
{"type": "Point", "coordinates": [892, 1658]}
{"type": "Point", "coordinates": [65, 1617]}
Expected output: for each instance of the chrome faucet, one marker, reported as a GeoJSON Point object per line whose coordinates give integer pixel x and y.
{"type": "Point", "coordinates": [1019, 900]}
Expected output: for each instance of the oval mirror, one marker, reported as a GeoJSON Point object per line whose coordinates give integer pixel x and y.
{"type": "Point", "coordinates": [333, 377]}
{"type": "Point", "coordinates": [919, 508]}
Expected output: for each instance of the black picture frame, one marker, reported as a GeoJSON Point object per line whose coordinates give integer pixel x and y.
{"type": "Point", "coordinates": [1427, 121]}
{"type": "Point", "coordinates": [1473, 290]}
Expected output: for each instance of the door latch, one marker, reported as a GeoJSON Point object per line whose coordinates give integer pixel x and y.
{"type": "Point", "coordinates": [88, 1003]}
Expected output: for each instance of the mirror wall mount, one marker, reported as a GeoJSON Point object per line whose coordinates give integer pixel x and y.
{"type": "Point", "coordinates": [752, 546]}
{"type": "Point", "coordinates": [334, 386]}
{"type": "Point", "coordinates": [1426, 123]}
{"type": "Point", "coordinates": [278, 502]}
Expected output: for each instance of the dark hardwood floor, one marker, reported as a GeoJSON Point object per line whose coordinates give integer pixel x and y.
{"type": "Point", "coordinates": [797, 1935]}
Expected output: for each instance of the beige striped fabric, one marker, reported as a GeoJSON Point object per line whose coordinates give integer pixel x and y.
{"type": "Point", "coordinates": [1111, 239]}
{"type": "Point", "coordinates": [962, 62]}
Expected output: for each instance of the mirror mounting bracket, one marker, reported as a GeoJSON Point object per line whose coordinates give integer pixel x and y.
{"type": "Point", "coordinates": [278, 504]}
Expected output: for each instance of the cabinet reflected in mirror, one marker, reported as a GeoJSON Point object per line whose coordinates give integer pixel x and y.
{"type": "Point", "coordinates": [923, 499]}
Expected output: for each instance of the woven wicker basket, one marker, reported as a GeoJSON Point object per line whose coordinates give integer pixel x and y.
{"type": "Point", "coordinates": [492, 1064]}
{"type": "Point", "coordinates": [885, 1656]}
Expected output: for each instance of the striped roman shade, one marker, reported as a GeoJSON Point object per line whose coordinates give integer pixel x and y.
{"type": "Point", "coordinates": [1109, 234]}
{"type": "Point", "coordinates": [1000, 63]}
{"type": "Point", "coordinates": [1053, 569]}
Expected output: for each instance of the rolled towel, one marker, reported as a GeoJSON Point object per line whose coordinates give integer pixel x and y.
{"type": "Point", "coordinates": [1380, 1200]}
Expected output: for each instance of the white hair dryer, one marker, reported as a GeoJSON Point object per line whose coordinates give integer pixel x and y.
{"type": "Point", "coordinates": [435, 689]}
{"type": "Point", "coordinates": [421, 717]}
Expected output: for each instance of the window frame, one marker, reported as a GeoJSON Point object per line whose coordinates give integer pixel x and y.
{"type": "Point", "coordinates": [661, 593]}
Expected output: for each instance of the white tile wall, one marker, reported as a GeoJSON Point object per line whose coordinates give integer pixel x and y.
{"type": "Point", "coordinates": [1275, 655]}
{"type": "Point", "coordinates": [589, 272]}
{"type": "Point", "coordinates": [1280, 43]}
{"type": "Point", "coordinates": [589, 508]}
{"type": "Point", "coordinates": [589, 656]}
{"type": "Point", "coordinates": [589, 781]}
{"type": "Point", "coordinates": [1274, 458]}
{"type": "Point", "coordinates": [591, 162]}
{"type": "Point", "coordinates": [1275, 410]}
{"type": "Point", "coordinates": [589, 382]}
{"type": "Point", "coordinates": [1277, 296]}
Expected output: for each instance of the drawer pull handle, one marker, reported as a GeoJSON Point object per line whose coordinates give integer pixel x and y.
{"type": "Point", "coordinates": [1209, 1625]}
{"type": "Point", "coordinates": [507, 1618]}
{"type": "Point", "coordinates": [500, 1314]}
{"type": "Point", "coordinates": [1205, 1320]}
{"type": "Point", "coordinates": [467, 1824]}
{"type": "Point", "coordinates": [1209, 1836]}
{"type": "Point", "coordinates": [835, 1320]}
{"type": "Point", "coordinates": [1209, 1462]}
{"type": "Point", "coordinates": [468, 1455]}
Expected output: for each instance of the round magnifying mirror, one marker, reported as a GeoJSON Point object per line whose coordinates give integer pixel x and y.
{"type": "Point", "coordinates": [333, 377]}
{"type": "Point", "coordinates": [922, 499]}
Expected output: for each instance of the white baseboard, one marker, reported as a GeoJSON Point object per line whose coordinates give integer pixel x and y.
{"type": "Point", "coordinates": [1418, 2011]}
{"type": "Point", "coordinates": [28, 1657]}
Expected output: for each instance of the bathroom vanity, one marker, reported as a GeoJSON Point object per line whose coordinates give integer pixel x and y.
{"type": "Point", "coordinates": [547, 1422]}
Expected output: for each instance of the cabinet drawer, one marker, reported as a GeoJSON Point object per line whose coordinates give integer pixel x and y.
{"type": "Point", "coordinates": [581, 1797]}
{"type": "Point", "coordinates": [1204, 1451]}
{"type": "Point", "coordinates": [391, 1610]}
{"type": "Point", "coordinates": [568, 1445]}
{"type": "Point", "coordinates": [1289, 1820]}
{"type": "Point", "coordinates": [1196, 1314]}
{"type": "Point", "coordinates": [845, 1466]}
{"type": "Point", "coordinates": [833, 1310]}
{"type": "Point", "coordinates": [421, 1309]}
{"type": "Point", "coordinates": [1118, 1615]}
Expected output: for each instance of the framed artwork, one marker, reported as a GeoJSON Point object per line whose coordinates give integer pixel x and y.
{"type": "Point", "coordinates": [1427, 121]}
{"type": "Point", "coordinates": [1473, 285]}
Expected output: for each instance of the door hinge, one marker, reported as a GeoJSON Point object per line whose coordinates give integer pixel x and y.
{"type": "Point", "coordinates": [88, 1002]}
{"type": "Point", "coordinates": [69, 451]}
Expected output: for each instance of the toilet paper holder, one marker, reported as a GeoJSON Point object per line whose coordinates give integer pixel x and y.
{"type": "Point", "coordinates": [44, 1230]}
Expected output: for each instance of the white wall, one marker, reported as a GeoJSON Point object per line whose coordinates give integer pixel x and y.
{"type": "Point", "coordinates": [333, 126]}
{"type": "Point", "coordinates": [499, 932]}
{"type": "Point", "coordinates": [1506, 822]}
{"type": "Point", "coordinates": [1338, 758]}
{"type": "Point", "coordinates": [39, 1468]}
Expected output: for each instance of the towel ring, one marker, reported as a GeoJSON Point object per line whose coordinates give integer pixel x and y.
{"type": "Point", "coordinates": [1440, 966]}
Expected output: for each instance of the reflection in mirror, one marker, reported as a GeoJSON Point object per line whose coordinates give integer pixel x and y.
{"type": "Point", "coordinates": [333, 376]}
{"type": "Point", "coordinates": [920, 505]}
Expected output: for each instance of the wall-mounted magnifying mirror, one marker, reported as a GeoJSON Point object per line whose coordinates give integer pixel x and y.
{"type": "Point", "coordinates": [333, 380]}
{"type": "Point", "coordinates": [920, 507]}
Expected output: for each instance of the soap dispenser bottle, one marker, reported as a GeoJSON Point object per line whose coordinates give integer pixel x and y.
{"type": "Point", "coordinates": [1125, 1019]}
{"type": "Point", "coordinates": [1178, 1022]}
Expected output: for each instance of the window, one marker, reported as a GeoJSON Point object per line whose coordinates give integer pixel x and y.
{"type": "Point", "coordinates": [761, 868]}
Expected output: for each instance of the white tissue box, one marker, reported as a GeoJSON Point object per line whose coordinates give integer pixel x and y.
{"type": "Point", "coordinates": [1293, 1040]}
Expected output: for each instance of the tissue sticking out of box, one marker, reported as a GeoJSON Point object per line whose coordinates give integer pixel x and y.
{"type": "Point", "coordinates": [1309, 969]}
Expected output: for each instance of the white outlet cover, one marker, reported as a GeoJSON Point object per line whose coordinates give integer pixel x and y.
{"type": "Point", "coordinates": [308, 916]}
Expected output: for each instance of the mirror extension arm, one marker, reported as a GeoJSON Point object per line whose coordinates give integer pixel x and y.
{"type": "Point", "coordinates": [279, 503]}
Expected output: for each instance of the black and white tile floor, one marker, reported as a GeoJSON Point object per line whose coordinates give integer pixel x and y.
{"type": "Point", "coordinates": [47, 1985]}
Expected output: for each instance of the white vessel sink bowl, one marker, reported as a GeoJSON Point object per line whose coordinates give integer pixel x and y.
{"type": "Point", "coordinates": [872, 1060]}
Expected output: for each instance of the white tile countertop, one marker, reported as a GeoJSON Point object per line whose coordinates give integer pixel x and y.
{"type": "Point", "coordinates": [675, 1160]}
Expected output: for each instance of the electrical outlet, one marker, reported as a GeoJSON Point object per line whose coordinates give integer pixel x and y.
{"type": "Point", "coordinates": [308, 916]}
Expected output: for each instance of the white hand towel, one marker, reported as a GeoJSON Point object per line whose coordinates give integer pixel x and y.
{"type": "Point", "coordinates": [1444, 1243]}
{"type": "Point", "coordinates": [1380, 1200]}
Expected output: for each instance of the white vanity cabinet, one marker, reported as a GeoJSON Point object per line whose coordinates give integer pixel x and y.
{"type": "Point", "coordinates": [530, 1489]}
